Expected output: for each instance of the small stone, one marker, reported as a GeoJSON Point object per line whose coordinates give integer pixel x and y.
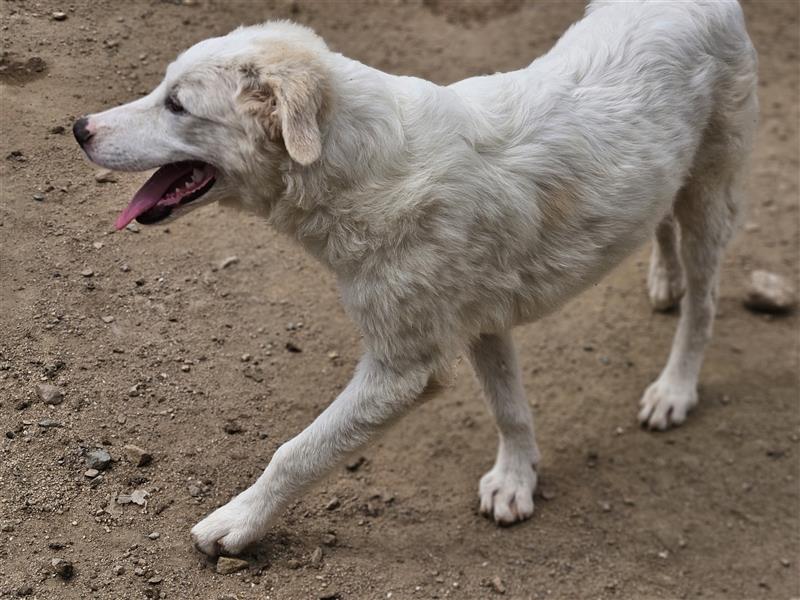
{"type": "Point", "coordinates": [139, 497]}
{"type": "Point", "coordinates": [293, 563]}
{"type": "Point", "coordinates": [57, 129]}
{"type": "Point", "coordinates": [125, 268]}
{"type": "Point", "coordinates": [133, 227]}
{"type": "Point", "coordinates": [663, 554]}
{"type": "Point", "coordinates": [355, 465]}
{"type": "Point", "coordinates": [547, 494]}
{"type": "Point", "coordinates": [47, 423]}
{"type": "Point", "coordinates": [38, 197]}
{"type": "Point", "coordinates": [107, 319]}
{"type": "Point", "coordinates": [50, 394]}
{"type": "Point", "coordinates": [786, 562]}
{"type": "Point", "coordinates": [292, 347]}
{"type": "Point", "coordinates": [329, 539]}
{"type": "Point", "coordinates": [227, 565]}
{"type": "Point", "coordinates": [497, 585]}
{"type": "Point", "coordinates": [232, 428]}
{"type": "Point", "coordinates": [63, 568]}
{"type": "Point", "coordinates": [91, 473]}
{"type": "Point", "coordinates": [24, 590]}
{"type": "Point", "coordinates": [770, 293]}
{"type": "Point", "coordinates": [98, 459]}
{"type": "Point", "coordinates": [59, 16]}
{"type": "Point", "coordinates": [138, 456]}
{"type": "Point", "coordinates": [333, 355]}
{"type": "Point", "coordinates": [246, 357]}
{"type": "Point", "coordinates": [333, 504]}
{"type": "Point", "coordinates": [229, 261]}
{"type": "Point", "coordinates": [154, 536]}
{"type": "Point", "coordinates": [605, 506]}
{"type": "Point", "coordinates": [87, 273]}
{"type": "Point", "coordinates": [105, 176]}
{"type": "Point", "coordinates": [119, 570]}
{"type": "Point", "coordinates": [154, 580]}
{"type": "Point", "coordinates": [316, 556]}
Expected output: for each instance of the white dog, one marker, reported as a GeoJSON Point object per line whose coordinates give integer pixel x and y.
{"type": "Point", "coordinates": [451, 214]}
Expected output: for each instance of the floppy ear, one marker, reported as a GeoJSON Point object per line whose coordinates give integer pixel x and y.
{"type": "Point", "coordinates": [287, 97]}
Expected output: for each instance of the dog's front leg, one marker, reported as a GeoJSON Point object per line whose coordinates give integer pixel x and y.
{"type": "Point", "coordinates": [376, 395]}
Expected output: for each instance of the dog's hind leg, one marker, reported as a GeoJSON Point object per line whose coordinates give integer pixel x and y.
{"type": "Point", "coordinates": [706, 209]}
{"type": "Point", "coordinates": [665, 282]}
{"type": "Point", "coordinates": [506, 491]}
{"type": "Point", "coordinates": [374, 397]}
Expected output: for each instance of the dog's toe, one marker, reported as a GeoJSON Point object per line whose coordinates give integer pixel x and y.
{"type": "Point", "coordinates": [506, 493]}
{"type": "Point", "coordinates": [228, 530]}
{"type": "Point", "coordinates": [666, 404]}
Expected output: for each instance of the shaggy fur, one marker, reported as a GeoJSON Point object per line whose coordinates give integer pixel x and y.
{"type": "Point", "coordinates": [451, 214]}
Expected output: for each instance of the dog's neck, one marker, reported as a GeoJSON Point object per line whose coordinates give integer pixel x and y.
{"type": "Point", "coordinates": [324, 206]}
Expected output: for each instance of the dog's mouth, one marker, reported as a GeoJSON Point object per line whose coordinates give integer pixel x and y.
{"type": "Point", "coordinates": [172, 186]}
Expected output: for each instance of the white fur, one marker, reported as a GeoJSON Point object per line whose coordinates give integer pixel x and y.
{"type": "Point", "coordinates": [451, 214]}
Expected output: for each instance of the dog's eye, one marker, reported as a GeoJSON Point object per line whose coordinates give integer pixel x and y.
{"type": "Point", "coordinates": [173, 105]}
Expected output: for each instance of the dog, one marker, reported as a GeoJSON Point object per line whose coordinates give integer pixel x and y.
{"type": "Point", "coordinates": [450, 214]}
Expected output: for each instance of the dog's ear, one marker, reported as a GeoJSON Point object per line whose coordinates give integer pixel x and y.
{"type": "Point", "coordinates": [287, 97]}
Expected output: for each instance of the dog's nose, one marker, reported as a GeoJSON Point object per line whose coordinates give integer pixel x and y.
{"type": "Point", "coordinates": [81, 131]}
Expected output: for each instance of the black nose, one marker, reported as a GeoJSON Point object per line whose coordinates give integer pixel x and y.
{"type": "Point", "coordinates": [81, 131]}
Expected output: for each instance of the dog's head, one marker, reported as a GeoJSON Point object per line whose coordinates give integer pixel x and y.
{"type": "Point", "coordinates": [231, 115]}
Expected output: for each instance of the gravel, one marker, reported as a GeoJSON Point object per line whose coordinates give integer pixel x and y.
{"type": "Point", "coordinates": [50, 394]}
{"type": "Point", "coordinates": [98, 459]}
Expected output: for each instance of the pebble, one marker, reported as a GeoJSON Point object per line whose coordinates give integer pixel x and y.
{"type": "Point", "coordinates": [133, 228]}
{"type": "Point", "coordinates": [316, 556]}
{"type": "Point", "coordinates": [38, 197]}
{"type": "Point", "coordinates": [57, 129]}
{"type": "Point", "coordinates": [138, 456]}
{"type": "Point", "coordinates": [87, 273]}
{"type": "Point", "coordinates": [119, 570]}
{"type": "Point", "coordinates": [154, 580]}
{"type": "Point", "coordinates": [497, 585]}
{"type": "Point", "coordinates": [98, 459]}
{"type": "Point", "coordinates": [333, 504]}
{"type": "Point", "coordinates": [329, 539]}
{"type": "Point", "coordinates": [786, 562]}
{"type": "Point", "coordinates": [605, 506]}
{"type": "Point", "coordinates": [227, 565]}
{"type": "Point", "coordinates": [229, 261]}
{"type": "Point", "coordinates": [292, 347]}
{"type": "Point", "coordinates": [61, 567]}
{"type": "Point", "coordinates": [59, 16]}
{"type": "Point", "coordinates": [50, 394]}
{"type": "Point", "coordinates": [246, 357]}
{"type": "Point", "coordinates": [91, 473]}
{"type": "Point", "coordinates": [770, 292]}
{"type": "Point", "coordinates": [154, 536]}
{"type": "Point", "coordinates": [46, 423]}
{"type": "Point", "coordinates": [232, 428]}
{"type": "Point", "coordinates": [107, 319]}
{"type": "Point", "coordinates": [24, 590]}
{"type": "Point", "coordinates": [105, 176]}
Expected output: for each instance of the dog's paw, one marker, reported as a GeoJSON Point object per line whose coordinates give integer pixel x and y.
{"type": "Point", "coordinates": [665, 289]}
{"type": "Point", "coordinates": [229, 529]}
{"type": "Point", "coordinates": [666, 403]}
{"type": "Point", "coordinates": [506, 492]}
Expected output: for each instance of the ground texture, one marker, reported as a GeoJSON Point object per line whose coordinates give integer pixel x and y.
{"type": "Point", "coordinates": [155, 343]}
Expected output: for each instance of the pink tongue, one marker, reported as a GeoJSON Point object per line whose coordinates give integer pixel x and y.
{"type": "Point", "coordinates": [151, 192]}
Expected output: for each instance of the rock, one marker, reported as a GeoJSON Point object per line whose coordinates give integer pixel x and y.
{"type": "Point", "coordinates": [333, 504]}
{"type": "Point", "coordinates": [91, 473]}
{"type": "Point", "coordinates": [107, 319]}
{"type": "Point", "coordinates": [229, 261]}
{"type": "Point", "coordinates": [316, 556]}
{"type": "Point", "coordinates": [497, 585]}
{"type": "Point", "coordinates": [770, 293]}
{"type": "Point", "coordinates": [105, 176]}
{"type": "Point", "coordinates": [63, 568]}
{"type": "Point", "coordinates": [87, 273]}
{"type": "Point", "coordinates": [59, 16]}
{"type": "Point", "coordinates": [119, 570]}
{"type": "Point", "coordinates": [232, 428]}
{"type": "Point", "coordinates": [38, 197]}
{"type": "Point", "coordinates": [25, 589]}
{"type": "Point", "coordinates": [133, 228]}
{"type": "Point", "coordinates": [98, 459]}
{"type": "Point", "coordinates": [139, 497]}
{"type": "Point", "coordinates": [605, 506]}
{"type": "Point", "coordinates": [57, 129]}
{"type": "Point", "coordinates": [154, 536]}
{"type": "Point", "coordinates": [293, 563]}
{"type": "Point", "coordinates": [47, 423]}
{"type": "Point", "coordinates": [50, 394]}
{"type": "Point", "coordinates": [246, 357]}
{"type": "Point", "coordinates": [329, 539]}
{"type": "Point", "coordinates": [355, 465]}
{"type": "Point", "coordinates": [155, 580]}
{"type": "Point", "coordinates": [227, 565]}
{"type": "Point", "coordinates": [292, 347]}
{"type": "Point", "coordinates": [138, 456]}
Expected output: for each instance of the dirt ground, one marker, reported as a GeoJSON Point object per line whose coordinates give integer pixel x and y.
{"type": "Point", "coordinates": [155, 343]}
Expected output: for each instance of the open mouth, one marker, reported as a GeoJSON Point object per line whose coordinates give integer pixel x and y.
{"type": "Point", "coordinates": [172, 186]}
